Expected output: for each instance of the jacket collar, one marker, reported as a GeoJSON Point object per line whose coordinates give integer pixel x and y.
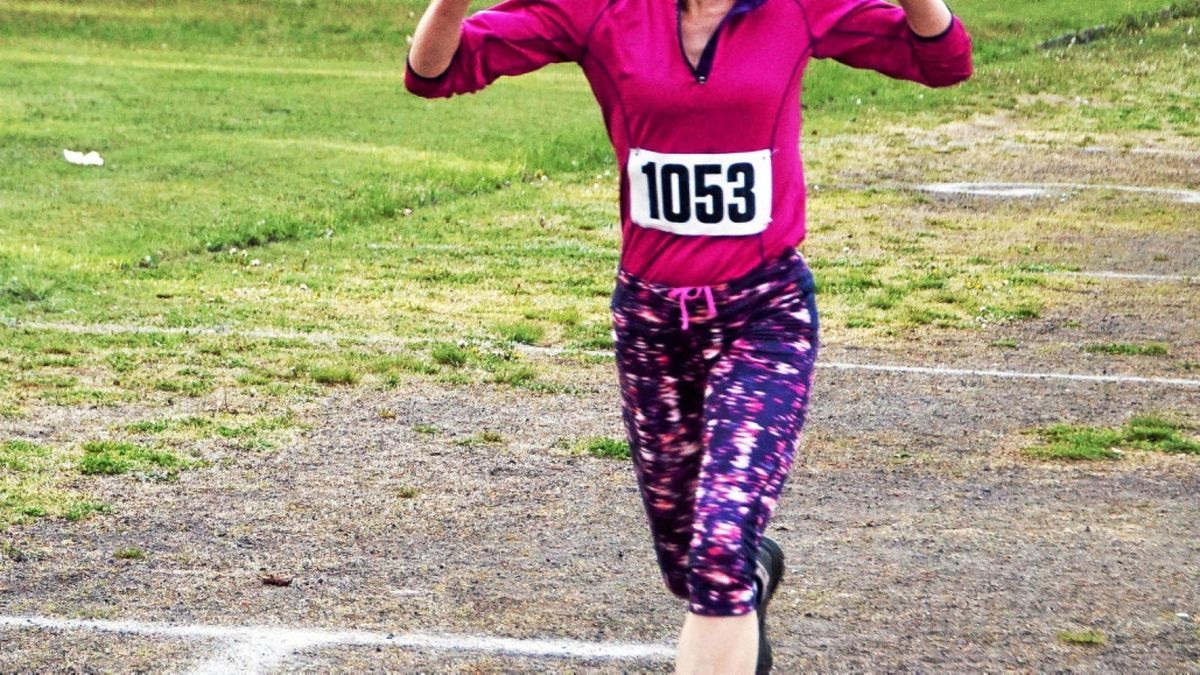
{"type": "Point", "coordinates": [739, 6]}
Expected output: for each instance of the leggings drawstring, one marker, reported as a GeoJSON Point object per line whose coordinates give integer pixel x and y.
{"type": "Point", "coordinates": [691, 293]}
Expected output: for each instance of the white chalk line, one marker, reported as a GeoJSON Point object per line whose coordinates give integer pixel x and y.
{"type": "Point", "coordinates": [1007, 374]}
{"type": "Point", "coordinates": [1035, 190]}
{"type": "Point", "coordinates": [1131, 276]}
{"type": "Point", "coordinates": [940, 371]}
{"type": "Point", "coordinates": [249, 333]}
{"type": "Point", "coordinates": [332, 338]}
{"type": "Point", "coordinates": [258, 648]}
{"type": "Point", "coordinates": [1169, 152]}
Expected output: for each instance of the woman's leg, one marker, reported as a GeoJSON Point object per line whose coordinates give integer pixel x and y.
{"type": "Point", "coordinates": [755, 405]}
{"type": "Point", "coordinates": [662, 396]}
{"type": "Point", "coordinates": [717, 645]}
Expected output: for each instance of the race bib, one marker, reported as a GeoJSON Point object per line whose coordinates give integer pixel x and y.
{"type": "Point", "coordinates": [726, 194]}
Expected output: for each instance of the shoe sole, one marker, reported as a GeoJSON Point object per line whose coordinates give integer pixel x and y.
{"type": "Point", "coordinates": [776, 571]}
{"type": "Point", "coordinates": [766, 660]}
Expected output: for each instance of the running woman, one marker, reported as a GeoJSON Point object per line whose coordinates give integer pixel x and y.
{"type": "Point", "coordinates": [713, 310]}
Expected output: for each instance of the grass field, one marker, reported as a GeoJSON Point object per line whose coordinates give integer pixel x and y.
{"type": "Point", "coordinates": [279, 228]}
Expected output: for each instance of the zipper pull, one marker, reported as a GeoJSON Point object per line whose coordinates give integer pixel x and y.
{"type": "Point", "coordinates": [702, 79]}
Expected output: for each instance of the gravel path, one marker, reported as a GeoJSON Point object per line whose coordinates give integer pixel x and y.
{"type": "Point", "coordinates": [918, 537]}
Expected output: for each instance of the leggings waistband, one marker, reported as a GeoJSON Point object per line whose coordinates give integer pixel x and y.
{"type": "Point", "coordinates": [760, 280]}
{"type": "Point", "coordinates": [772, 269]}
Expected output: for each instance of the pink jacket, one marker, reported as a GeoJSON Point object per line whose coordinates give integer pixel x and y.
{"type": "Point", "coordinates": [712, 183]}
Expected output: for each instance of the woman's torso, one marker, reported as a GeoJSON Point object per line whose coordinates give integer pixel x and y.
{"type": "Point", "coordinates": [711, 178]}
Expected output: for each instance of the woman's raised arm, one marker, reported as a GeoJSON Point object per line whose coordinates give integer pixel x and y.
{"type": "Point", "coordinates": [452, 55]}
{"type": "Point", "coordinates": [919, 41]}
{"type": "Point", "coordinates": [437, 37]}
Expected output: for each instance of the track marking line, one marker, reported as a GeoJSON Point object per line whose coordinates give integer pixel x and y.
{"type": "Point", "coordinates": [1131, 276]}
{"type": "Point", "coordinates": [1009, 374]}
{"type": "Point", "coordinates": [252, 333]}
{"type": "Point", "coordinates": [940, 371]}
{"type": "Point", "coordinates": [1100, 149]}
{"type": "Point", "coordinates": [258, 648]}
{"type": "Point", "coordinates": [335, 338]}
{"type": "Point", "coordinates": [230, 68]}
{"type": "Point", "coordinates": [1034, 190]}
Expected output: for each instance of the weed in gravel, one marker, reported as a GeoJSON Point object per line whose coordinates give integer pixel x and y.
{"type": "Point", "coordinates": [408, 492]}
{"type": "Point", "coordinates": [452, 355]}
{"type": "Point", "coordinates": [1082, 637]}
{"type": "Point", "coordinates": [333, 375]}
{"type": "Point", "coordinates": [485, 437]}
{"type": "Point", "coordinates": [130, 554]}
{"type": "Point", "coordinates": [516, 376]}
{"type": "Point", "coordinates": [1127, 349]}
{"type": "Point", "coordinates": [521, 332]}
{"type": "Point", "coordinates": [192, 388]}
{"type": "Point", "coordinates": [392, 365]}
{"type": "Point", "coordinates": [427, 429]}
{"type": "Point", "coordinates": [111, 458]}
{"type": "Point", "coordinates": [20, 456]}
{"type": "Point", "coordinates": [12, 552]}
{"type": "Point", "coordinates": [604, 447]}
{"type": "Point", "coordinates": [30, 475]}
{"type": "Point", "coordinates": [1006, 343]}
{"type": "Point", "coordinates": [1142, 432]}
{"type": "Point", "coordinates": [81, 510]}
{"type": "Point", "coordinates": [190, 423]}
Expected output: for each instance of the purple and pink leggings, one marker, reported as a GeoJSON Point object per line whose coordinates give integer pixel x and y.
{"type": "Point", "coordinates": [714, 384]}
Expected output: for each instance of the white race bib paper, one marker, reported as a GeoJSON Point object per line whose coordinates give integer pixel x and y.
{"type": "Point", "coordinates": [725, 194]}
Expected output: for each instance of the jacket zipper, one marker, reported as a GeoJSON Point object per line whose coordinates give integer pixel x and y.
{"type": "Point", "coordinates": [703, 67]}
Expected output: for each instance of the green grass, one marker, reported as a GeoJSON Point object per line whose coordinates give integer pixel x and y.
{"type": "Point", "coordinates": [1142, 432]}
{"type": "Point", "coordinates": [521, 332]}
{"type": "Point", "coordinates": [604, 447]}
{"type": "Point", "coordinates": [1128, 349]}
{"type": "Point", "coordinates": [267, 172]}
{"type": "Point", "coordinates": [130, 553]}
{"type": "Point", "coordinates": [450, 355]}
{"type": "Point", "coordinates": [21, 456]}
{"type": "Point", "coordinates": [111, 458]}
{"type": "Point", "coordinates": [82, 510]}
{"type": "Point", "coordinates": [333, 375]}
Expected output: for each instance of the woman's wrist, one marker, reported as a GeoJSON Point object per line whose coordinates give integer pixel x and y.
{"type": "Point", "coordinates": [927, 18]}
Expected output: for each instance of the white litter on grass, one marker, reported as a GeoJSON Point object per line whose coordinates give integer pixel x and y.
{"type": "Point", "coordinates": [1036, 190]}
{"type": "Point", "coordinates": [92, 158]}
{"type": "Point", "coordinates": [338, 338]}
{"type": "Point", "coordinates": [253, 649]}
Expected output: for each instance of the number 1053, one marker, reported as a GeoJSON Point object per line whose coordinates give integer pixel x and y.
{"type": "Point", "coordinates": [714, 192]}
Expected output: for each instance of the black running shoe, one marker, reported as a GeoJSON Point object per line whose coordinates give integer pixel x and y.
{"type": "Point", "coordinates": [768, 571]}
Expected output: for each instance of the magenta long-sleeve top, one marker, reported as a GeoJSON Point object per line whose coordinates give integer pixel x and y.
{"type": "Point", "coordinates": [712, 182]}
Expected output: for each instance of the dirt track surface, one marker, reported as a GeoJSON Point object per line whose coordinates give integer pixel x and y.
{"type": "Point", "coordinates": [918, 537]}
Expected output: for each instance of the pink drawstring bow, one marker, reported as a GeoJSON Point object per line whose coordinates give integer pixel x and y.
{"type": "Point", "coordinates": [691, 293]}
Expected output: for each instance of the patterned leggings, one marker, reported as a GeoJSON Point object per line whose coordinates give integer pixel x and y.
{"type": "Point", "coordinates": [713, 414]}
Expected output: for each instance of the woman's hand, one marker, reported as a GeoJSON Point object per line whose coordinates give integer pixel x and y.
{"type": "Point", "coordinates": [437, 36]}
{"type": "Point", "coordinates": [927, 18]}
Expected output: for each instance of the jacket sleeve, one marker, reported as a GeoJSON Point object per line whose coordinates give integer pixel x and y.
{"type": "Point", "coordinates": [512, 38]}
{"type": "Point", "coordinates": [874, 34]}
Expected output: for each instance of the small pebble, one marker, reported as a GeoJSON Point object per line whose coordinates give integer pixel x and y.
{"type": "Point", "coordinates": [1185, 616]}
